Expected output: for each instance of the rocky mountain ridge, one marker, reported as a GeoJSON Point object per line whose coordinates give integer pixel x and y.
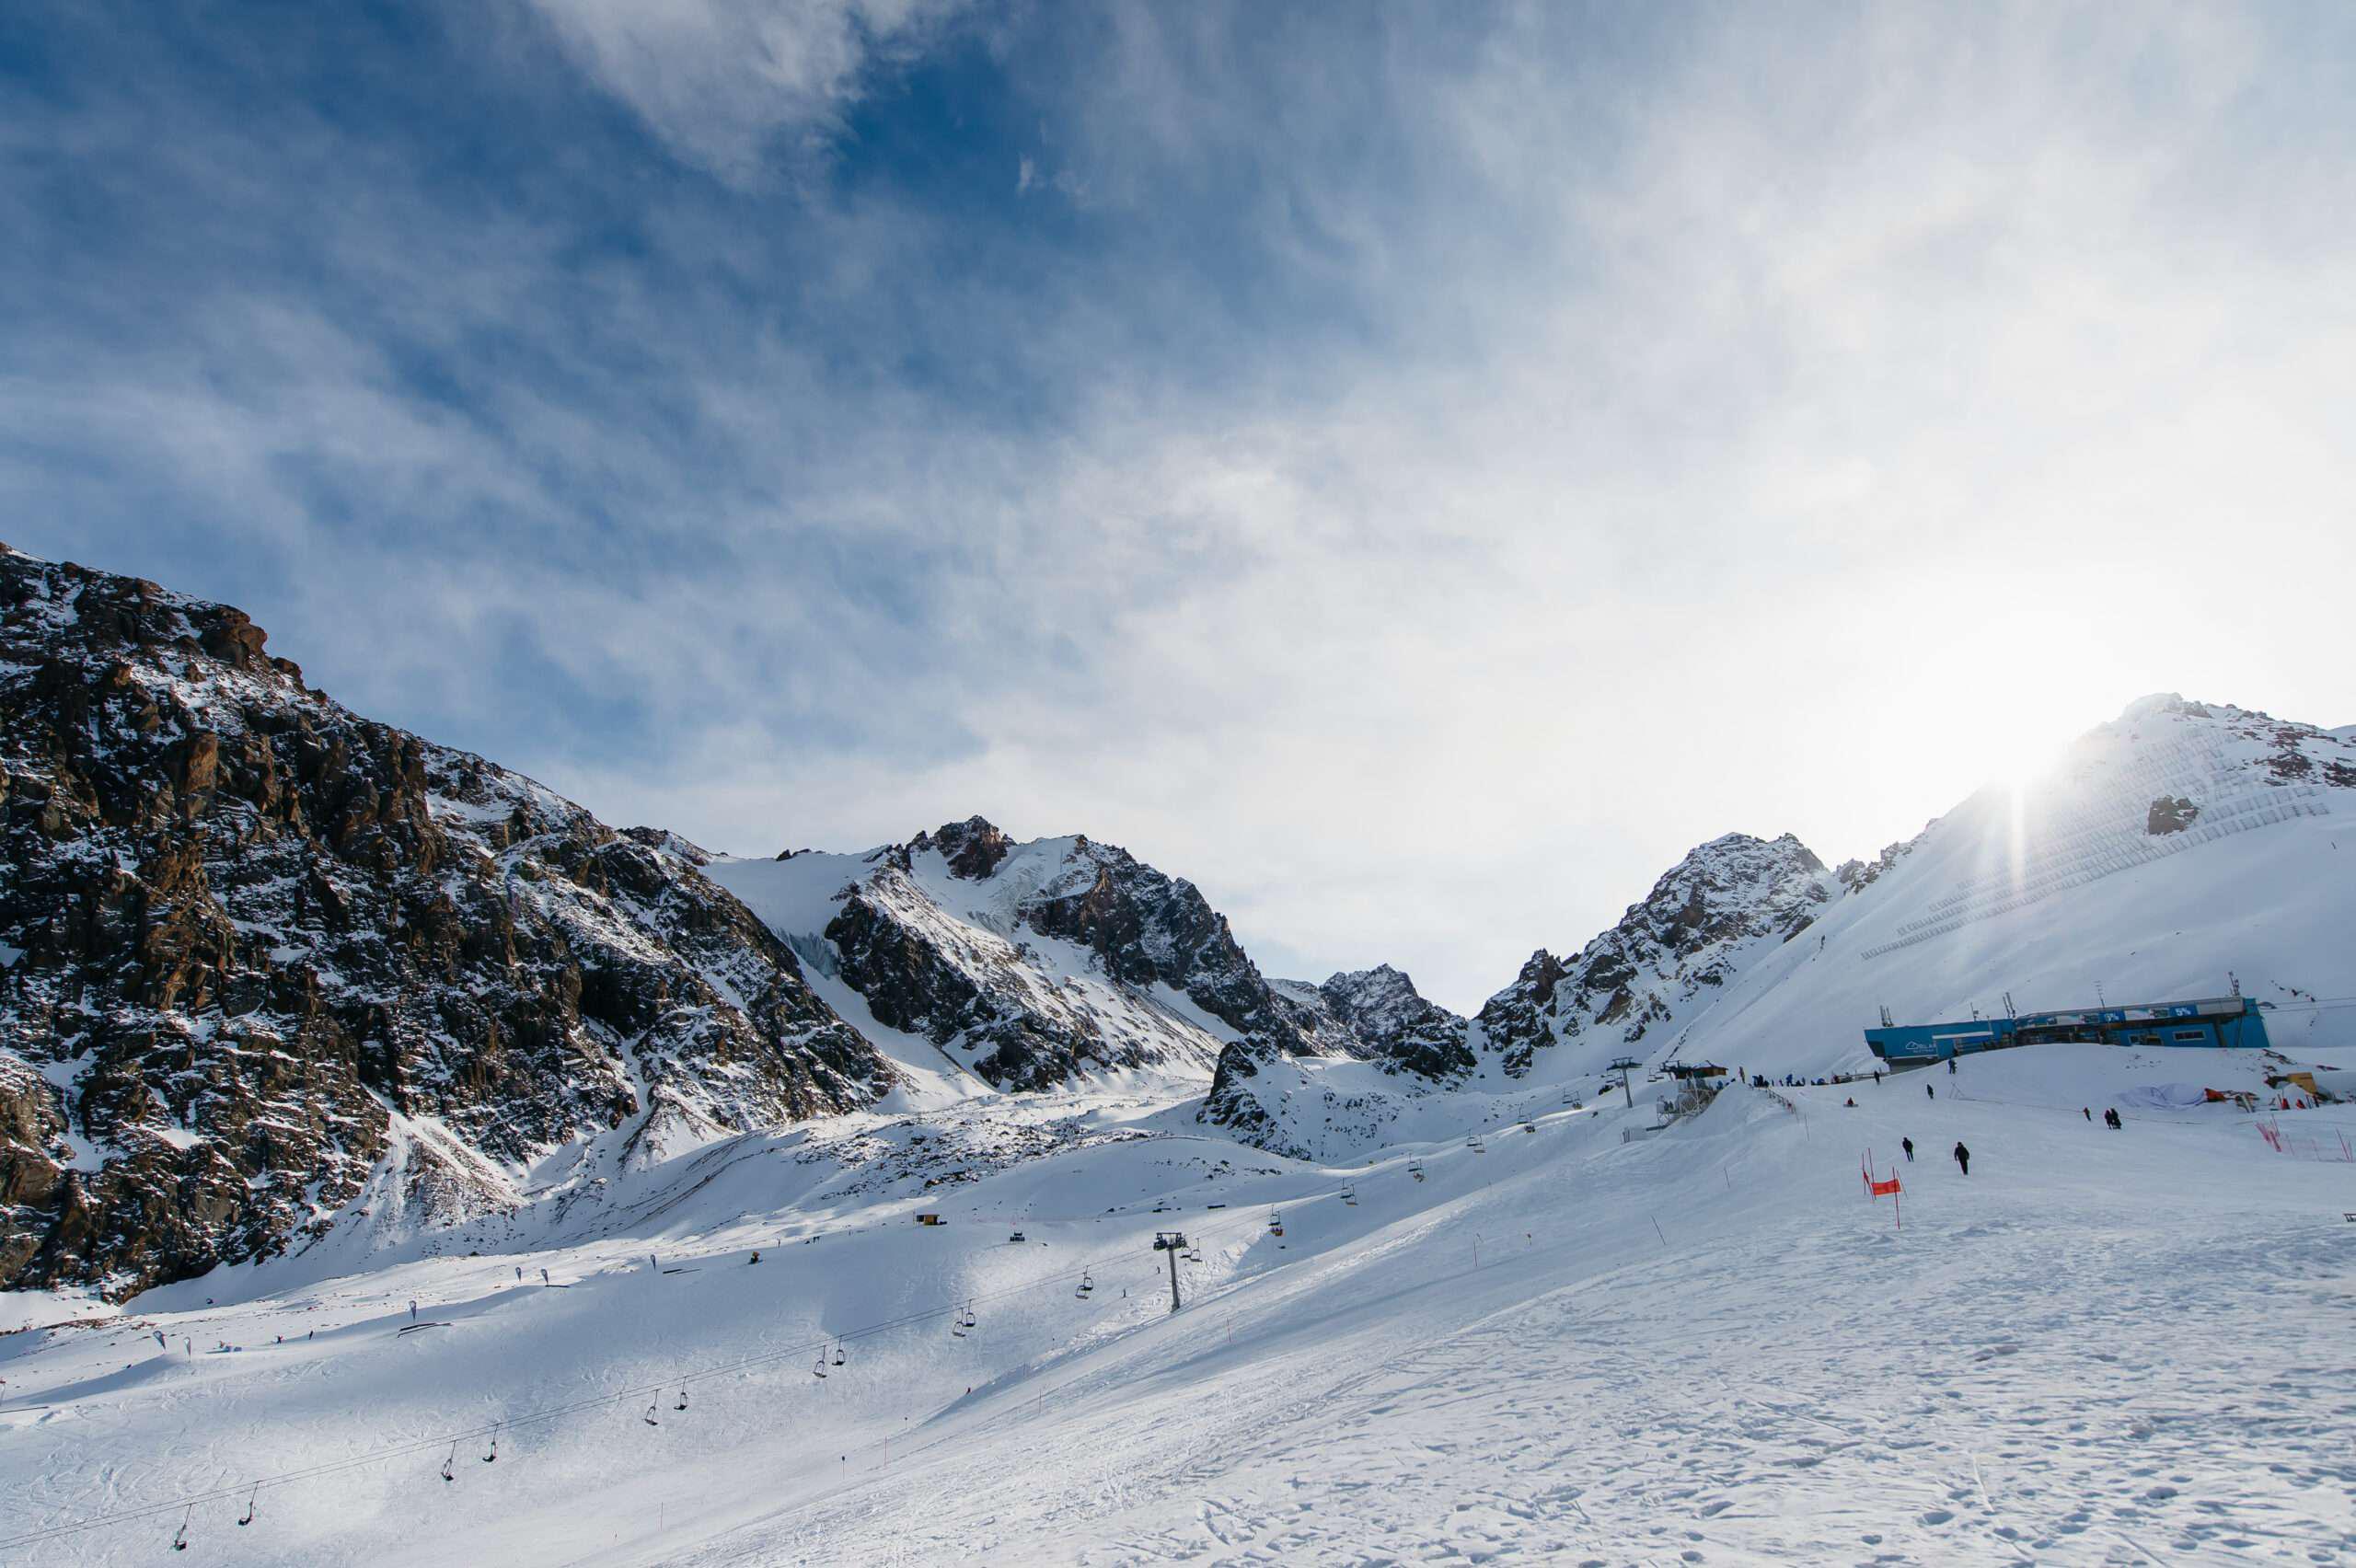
{"type": "Point", "coordinates": [260, 957]}
{"type": "Point", "coordinates": [1033, 964]}
{"type": "Point", "coordinates": [1677, 947]}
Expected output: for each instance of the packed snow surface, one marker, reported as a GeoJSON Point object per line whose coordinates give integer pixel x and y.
{"type": "Point", "coordinates": [1706, 1344]}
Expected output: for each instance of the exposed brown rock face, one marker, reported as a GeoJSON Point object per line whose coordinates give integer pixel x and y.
{"type": "Point", "coordinates": [255, 945]}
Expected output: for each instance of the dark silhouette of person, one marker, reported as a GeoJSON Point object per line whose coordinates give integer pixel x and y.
{"type": "Point", "coordinates": [1963, 1157]}
{"type": "Point", "coordinates": [1908, 1145]}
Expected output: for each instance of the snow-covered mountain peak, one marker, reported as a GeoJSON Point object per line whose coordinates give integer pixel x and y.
{"type": "Point", "coordinates": [1025, 964]}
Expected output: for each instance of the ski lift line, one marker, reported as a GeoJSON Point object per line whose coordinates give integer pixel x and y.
{"type": "Point", "coordinates": [411, 1448]}
{"type": "Point", "coordinates": [427, 1445]}
{"type": "Point", "coordinates": [253, 1488]}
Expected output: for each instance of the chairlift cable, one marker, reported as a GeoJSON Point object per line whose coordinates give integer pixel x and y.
{"type": "Point", "coordinates": [253, 1489]}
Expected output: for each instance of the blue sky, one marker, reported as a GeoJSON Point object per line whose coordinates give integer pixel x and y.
{"type": "Point", "coordinates": [1414, 470]}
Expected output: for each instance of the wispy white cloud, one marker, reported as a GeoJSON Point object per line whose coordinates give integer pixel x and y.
{"type": "Point", "coordinates": [724, 81]}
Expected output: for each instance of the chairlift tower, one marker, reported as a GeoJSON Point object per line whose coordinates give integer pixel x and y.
{"type": "Point", "coordinates": [1172, 1243]}
{"type": "Point", "coordinates": [1624, 1066]}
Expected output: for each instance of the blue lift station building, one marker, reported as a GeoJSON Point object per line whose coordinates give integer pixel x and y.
{"type": "Point", "coordinates": [2228, 1022]}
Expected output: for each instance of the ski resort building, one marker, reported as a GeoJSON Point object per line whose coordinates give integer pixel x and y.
{"type": "Point", "coordinates": [2228, 1022]}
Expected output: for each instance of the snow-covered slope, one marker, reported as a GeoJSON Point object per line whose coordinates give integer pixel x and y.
{"type": "Point", "coordinates": [2175, 852]}
{"type": "Point", "coordinates": [1702, 1345]}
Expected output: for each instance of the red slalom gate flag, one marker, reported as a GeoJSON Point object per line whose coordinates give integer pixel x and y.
{"type": "Point", "coordinates": [1883, 1189]}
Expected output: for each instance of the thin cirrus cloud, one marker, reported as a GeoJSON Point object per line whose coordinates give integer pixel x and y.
{"type": "Point", "coordinates": [722, 80]}
{"type": "Point", "coordinates": [1415, 472]}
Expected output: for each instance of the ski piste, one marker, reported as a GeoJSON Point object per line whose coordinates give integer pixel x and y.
{"type": "Point", "coordinates": [1688, 1341]}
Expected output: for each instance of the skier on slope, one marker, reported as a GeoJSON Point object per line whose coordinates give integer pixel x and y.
{"type": "Point", "coordinates": [1929, 1093]}
{"type": "Point", "coordinates": [1963, 1157]}
{"type": "Point", "coordinates": [2088, 1113]}
{"type": "Point", "coordinates": [1908, 1145]}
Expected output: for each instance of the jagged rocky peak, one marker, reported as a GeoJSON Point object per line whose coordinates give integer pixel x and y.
{"type": "Point", "coordinates": [663, 841]}
{"type": "Point", "coordinates": [973, 848]}
{"type": "Point", "coordinates": [1855, 876]}
{"type": "Point", "coordinates": [265, 964]}
{"type": "Point", "coordinates": [1667, 957]}
{"type": "Point", "coordinates": [1727, 884]}
{"type": "Point", "coordinates": [1397, 1025]}
{"type": "Point", "coordinates": [1027, 963]}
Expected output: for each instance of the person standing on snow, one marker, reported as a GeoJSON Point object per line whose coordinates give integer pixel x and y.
{"type": "Point", "coordinates": [2088, 1113]}
{"type": "Point", "coordinates": [1908, 1145]}
{"type": "Point", "coordinates": [1963, 1157]}
{"type": "Point", "coordinates": [1929, 1093]}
